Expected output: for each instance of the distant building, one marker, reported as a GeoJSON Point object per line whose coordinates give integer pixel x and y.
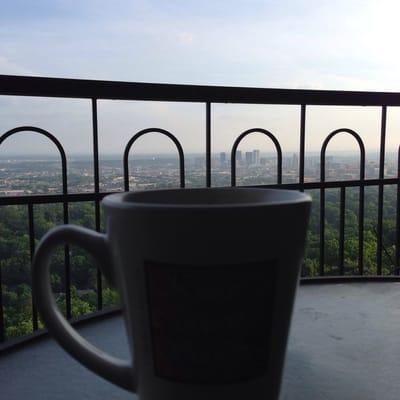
{"type": "Point", "coordinates": [328, 161]}
{"type": "Point", "coordinates": [222, 158]}
{"type": "Point", "coordinates": [199, 162]}
{"type": "Point", "coordinates": [239, 156]}
{"type": "Point", "coordinates": [295, 161]}
{"type": "Point", "coordinates": [256, 157]}
{"type": "Point", "coordinates": [249, 158]}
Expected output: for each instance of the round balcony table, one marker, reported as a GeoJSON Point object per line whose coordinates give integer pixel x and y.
{"type": "Point", "coordinates": [344, 344]}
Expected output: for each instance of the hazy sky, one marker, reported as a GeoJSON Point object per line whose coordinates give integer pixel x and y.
{"type": "Point", "coordinates": [345, 45]}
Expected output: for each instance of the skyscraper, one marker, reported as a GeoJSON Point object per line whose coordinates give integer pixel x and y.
{"type": "Point", "coordinates": [256, 157]}
{"type": "Point", "coordinates": [249, 158]}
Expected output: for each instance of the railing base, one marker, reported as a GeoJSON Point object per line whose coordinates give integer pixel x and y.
{"type": "Point", "coordinates": [13, 344]}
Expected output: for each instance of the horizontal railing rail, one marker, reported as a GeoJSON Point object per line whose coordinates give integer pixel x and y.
{"type": "Point", "coordinates": [115, 90]}
{"type": "Point", "coordinates": [107, 90]}
{"type": "Point", "coordinates": [78, 197]}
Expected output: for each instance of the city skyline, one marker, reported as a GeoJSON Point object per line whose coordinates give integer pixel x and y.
{"type": "Point", "coordinates": [22, 176]}
{"type": "Point", "coordinates": [391, 152]}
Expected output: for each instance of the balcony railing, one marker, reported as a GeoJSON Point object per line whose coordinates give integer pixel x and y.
{"type": "Point", "coordinates": [209, 95]}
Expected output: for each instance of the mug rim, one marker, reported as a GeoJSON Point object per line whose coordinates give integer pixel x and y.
{"type": "Point", "coordinates": [212, 198]}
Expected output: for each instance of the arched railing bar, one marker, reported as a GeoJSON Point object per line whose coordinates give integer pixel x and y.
{"type": "Point", "coordinates": [60, 148]}
{"type": "Point", "coordinates": [154, 130]}
{"type": "Point", "coordinates": [49, 136]}
{"type": "Point", "coordinates": [360, 143]}
{"type": "Point", "coordinates": [342, 210]}
{"type": "Point", "coordinates": [241, 137]}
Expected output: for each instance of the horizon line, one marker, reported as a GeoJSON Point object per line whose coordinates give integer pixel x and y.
{"type": "Point", "coordinates": [217, 152]}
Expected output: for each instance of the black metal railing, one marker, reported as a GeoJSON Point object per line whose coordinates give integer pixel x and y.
{"type": "Point", "coordinates": [207, 95]}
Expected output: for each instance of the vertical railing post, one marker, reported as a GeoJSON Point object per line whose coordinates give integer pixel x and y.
{"type": "Point", "coordinates": [302, 161]}
{"type": "Point", "coordinates": [302, 145]}
{"type": "Point", "coordinates": [67, 270]}
{"type": "Point", "coordinates": [341, 228]}
{"type": "Point", "coordinates": [32, 252]}
{"type": "Point", "coordinates": [379, 232]}
{"type": "Point", "coordinates": [322, 217]}
{"type": "Point", "coordinates": [208, 144]}
{"type": "Point", "coordinates": [397, 270]}
{"type": "Point", "coordinates": [2, 329]}
{"type": "Point", "coordinates": [361, 216]}
{"type": "Point", "coordinates": [97, 191]}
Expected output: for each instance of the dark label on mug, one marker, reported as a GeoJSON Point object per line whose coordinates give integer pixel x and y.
{"type": "Point", "coordinates": [210, 324]}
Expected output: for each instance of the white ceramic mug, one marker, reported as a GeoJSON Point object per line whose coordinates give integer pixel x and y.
{"type": "Point", "coordinates": [207, 279]}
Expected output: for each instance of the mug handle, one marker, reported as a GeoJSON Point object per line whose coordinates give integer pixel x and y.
{"type": "Point", "coordinates": [119, 372]}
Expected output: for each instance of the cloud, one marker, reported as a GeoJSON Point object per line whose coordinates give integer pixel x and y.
{"type": "Point", "coordinates": [265, 44]}
{"type": "Point", "coordinates": [186, 38]}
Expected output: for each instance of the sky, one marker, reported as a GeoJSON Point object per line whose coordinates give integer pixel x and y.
{"type": "Point", "coordinates": [341, 45]}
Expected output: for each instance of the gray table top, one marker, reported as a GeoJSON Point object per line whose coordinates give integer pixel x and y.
{"type": "Point", "coordinates": [344, 344]}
